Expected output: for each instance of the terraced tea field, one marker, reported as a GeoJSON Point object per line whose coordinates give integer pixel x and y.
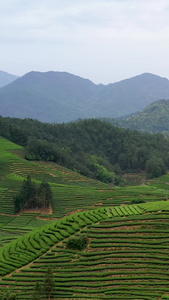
{"type": "Point", "coordinates": [127, 228]}
{"type": "Point", "coordinates": [126, 258]}
{"type": "Point", "coordinates": [71, 190]}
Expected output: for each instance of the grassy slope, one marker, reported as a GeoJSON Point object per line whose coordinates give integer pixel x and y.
{"type": "Point", "coordinates": [82, 273]}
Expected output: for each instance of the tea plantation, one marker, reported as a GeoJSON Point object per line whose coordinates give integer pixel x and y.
{"type": "Point", "coordinates": [127, 255]}
{"type": "Point", "coordinates": [127, 230]}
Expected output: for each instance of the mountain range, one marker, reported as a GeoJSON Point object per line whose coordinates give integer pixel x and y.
{"type": "Point", "coordinates": [62, 97]}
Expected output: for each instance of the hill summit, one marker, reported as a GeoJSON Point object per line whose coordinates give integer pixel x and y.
{"type": "Point", "coordinates": [63, 97]}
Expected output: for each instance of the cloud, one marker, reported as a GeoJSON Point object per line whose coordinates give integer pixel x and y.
{"type": "Point", "coordinates": [87, 37]}
{"type": "Point", "coordinates": [52, 20]}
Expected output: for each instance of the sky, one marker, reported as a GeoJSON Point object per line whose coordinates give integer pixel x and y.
{"type": "Point", "coordinates": [103, 40]}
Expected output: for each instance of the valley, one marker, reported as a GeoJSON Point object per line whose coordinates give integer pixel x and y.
{"type": "Point", "coordinates": [104, 234]}
{"type": "Point", "coordinates": [84, 150]}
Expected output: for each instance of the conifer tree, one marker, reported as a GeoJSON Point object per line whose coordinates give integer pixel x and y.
{"type": "Point", "coordinates": [49, 283]}
{"type": "Point", "coordinates": [38, 292]}
{"type": "Point", "coordinates": [27, 195]}
{"type": "Point", "coordinates": [31, 197]}
{"type": "Point", "coordinates": [45, 195]}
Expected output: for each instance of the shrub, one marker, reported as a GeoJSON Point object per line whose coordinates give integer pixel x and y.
{"type": "Point", "coordinates": [77, 243]}
{"type": "Point", "coordinates": [7, 296]}
{"type": "Point", "coordinates": [135, 201]}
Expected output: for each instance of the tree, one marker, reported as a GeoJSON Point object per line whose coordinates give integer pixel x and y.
{"type": "Point", "coordinates": [18, 200]}
{"type": "Point", "coordinates": [78, 243]}
{"type": "Point", "coordinates": [17, 135]}
{"type": "Point", "coordinates": [31, 197]}
{"type": "Point", "coordinates": [122, 160]}
{"type": "Point", "coordinates": [45, 195]}
{"type": "Point", "coordinates": [155, 167]}
{"type": "Point", "coordinates": [38, 292]}
{"type": "Point", "coordinates": [49, 283]}
{"type": "Point", "coordinates": [27, 195]}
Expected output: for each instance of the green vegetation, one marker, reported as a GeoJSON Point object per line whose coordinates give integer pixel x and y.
{"type": "Point", "coordinates": [31, 197]}
{"type": "Point", "coordinates": [127, 256]}
{"type": "Point", "coordinates": [38, 293]}
{"type": "Point", "coordinates": [7, 296]}
{"type": "Point", "coordinates": [95, 241]}
{"type": "Point", "coordinates": [49, 283]}
{"type": "Point", "coordinates": [153, 119]}
{"type": "Point", "coordinates": [103, 173]}
{"type": "Point", "coordinates": [77, 243]}
{"type": "Point", "coordinates": [93, 148]}
{"type": "Point", "coordinates": [155, 167]}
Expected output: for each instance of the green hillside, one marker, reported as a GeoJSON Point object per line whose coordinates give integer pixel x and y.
{"type": "Point", "coordinates": [126, 227]}
{"type": "Point", "coordinates": [14, 169]}
{"type": "Point", "coordinates": [154, 118]}
{"type": "Point", "coordinates": [71, 190]}
{"type": "Point", "coordinates": [126, 258]}
{"type": "Point", "coordinates": [93, 148]}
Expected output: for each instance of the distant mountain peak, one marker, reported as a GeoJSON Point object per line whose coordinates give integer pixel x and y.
{"type": "Point", "coordinates": [58, 97]}
{"type": "Point", "coordinates": [6, 78]}
{"type": "Point", "coordinates": [148, 76]}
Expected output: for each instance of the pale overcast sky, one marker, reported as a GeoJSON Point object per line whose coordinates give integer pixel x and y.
{"type": "Point", "coordinates": [102, 40]}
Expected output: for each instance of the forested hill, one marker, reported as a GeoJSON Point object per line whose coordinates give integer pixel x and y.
{"type": "Point", "coordinates": [93, 148]}
{"type": "Point", "coordinates": [62, 97]}
{"type": "Point", "coordinates": [152, 119]}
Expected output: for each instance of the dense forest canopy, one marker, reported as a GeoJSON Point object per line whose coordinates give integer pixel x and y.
{"type": "Point", "coordinates": [92, 147]}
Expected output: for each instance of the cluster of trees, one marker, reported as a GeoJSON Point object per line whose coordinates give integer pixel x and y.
{"type": "Point", "coordinates": [94, 148]}
{"type": "Point", "coordinates": [77, 243]}
{"type": "Point", "coordinates": [31, 197]}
